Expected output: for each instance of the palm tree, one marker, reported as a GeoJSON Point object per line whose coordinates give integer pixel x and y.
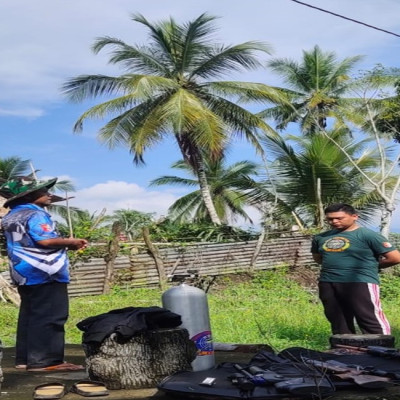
{"type": "Point", "coordinates": [10, 167]}
{"type": "Point", "coordinates": [316, 88]}
{"type": "Point", "coordinates": [228, 187]}
{"type": "Point", "coordinates": [132, 221]}
{"type": "Point", "coordinates": [310, 172]}
{"type": "Point", "coordinates": [92, 226]}
{"type": "Point", "coordinates": [170, 88]}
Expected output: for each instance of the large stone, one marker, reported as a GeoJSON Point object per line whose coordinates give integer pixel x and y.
{"type": "Point", "coordinates": [142, 362]}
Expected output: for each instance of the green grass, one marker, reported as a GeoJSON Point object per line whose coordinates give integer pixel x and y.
{"type": "Point", "coordinates": [271, 310]}
{"type": "Point", "coordinates": [268, 309]}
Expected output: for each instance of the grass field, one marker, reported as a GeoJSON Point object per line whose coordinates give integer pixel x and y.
{"type": "Point", "coordinates": [270, 308]}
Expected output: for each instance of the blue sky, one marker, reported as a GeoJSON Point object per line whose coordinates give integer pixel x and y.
{"type": "Point", "coordinates": [45, 42]}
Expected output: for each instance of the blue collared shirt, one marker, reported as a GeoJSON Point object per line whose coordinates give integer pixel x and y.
{"type": "Point", "coordinates": [30, 263]}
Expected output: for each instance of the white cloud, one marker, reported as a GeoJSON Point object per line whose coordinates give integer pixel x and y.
{"type": "Point", "coordinates": [114, 195]}
{"type": "Point", "coordinates": [21, 112]}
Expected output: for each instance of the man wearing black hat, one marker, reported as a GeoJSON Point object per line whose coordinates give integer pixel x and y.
{"type": "Point", "coordinates": [39, 267]}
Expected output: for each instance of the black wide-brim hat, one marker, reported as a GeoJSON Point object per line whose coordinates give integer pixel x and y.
{"type": "Point", "coordinates": [20, 187]}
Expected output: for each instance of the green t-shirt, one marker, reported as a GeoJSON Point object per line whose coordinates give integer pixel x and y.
{"type": "Point", "coordinates": [350, 256]}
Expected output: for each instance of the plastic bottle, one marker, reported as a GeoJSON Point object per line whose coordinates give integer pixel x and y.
{"type": "Point", "coordinates": [191, 304]}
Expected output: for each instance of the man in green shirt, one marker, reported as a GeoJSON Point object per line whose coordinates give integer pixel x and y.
{"type": "Point", "coordinates": [351, 257]}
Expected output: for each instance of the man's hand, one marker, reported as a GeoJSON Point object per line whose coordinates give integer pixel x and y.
{"type": "Point", "coordinates": [77, 244]}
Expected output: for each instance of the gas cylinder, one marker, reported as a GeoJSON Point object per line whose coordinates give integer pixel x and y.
{"type": "Point", "coordinates": [191, 304]}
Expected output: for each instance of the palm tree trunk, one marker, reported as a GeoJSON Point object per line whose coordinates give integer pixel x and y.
{"type": "Point", "coordinates": [192, 154]}
{"type": "Point", "coordinates": [205, 193]}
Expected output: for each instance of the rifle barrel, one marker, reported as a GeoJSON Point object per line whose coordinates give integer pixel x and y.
{"type": "Point", "coordinates": [374, 350]}
{"type": "Point", "coordinates": [345, 346]}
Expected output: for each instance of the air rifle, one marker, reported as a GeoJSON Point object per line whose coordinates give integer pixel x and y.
{"type": "Point", "coordinates": [374, 350]}
{"type": "Point", "coordinates": [304, 385]}
{"type": "Point", "coordinates": [259, 376]}
{"type": "Point", "coordinates": [355, 374]}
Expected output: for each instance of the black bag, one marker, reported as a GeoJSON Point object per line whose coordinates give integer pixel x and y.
{"type": "Point", "coordinates": [267, 376]}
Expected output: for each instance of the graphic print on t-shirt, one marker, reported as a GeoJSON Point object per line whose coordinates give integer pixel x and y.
{"type": "Point", "coordinates": [336, 244]}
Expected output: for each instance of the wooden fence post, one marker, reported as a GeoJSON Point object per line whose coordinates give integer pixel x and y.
{"type": "Point", "coordinates": [113, 248]}
{"type": "Point", "coordinates": [257, 250]}
{"type": "Point", "coordinates": [157, 257]}
{"type": "Point", "coordinates": [8, 292]}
